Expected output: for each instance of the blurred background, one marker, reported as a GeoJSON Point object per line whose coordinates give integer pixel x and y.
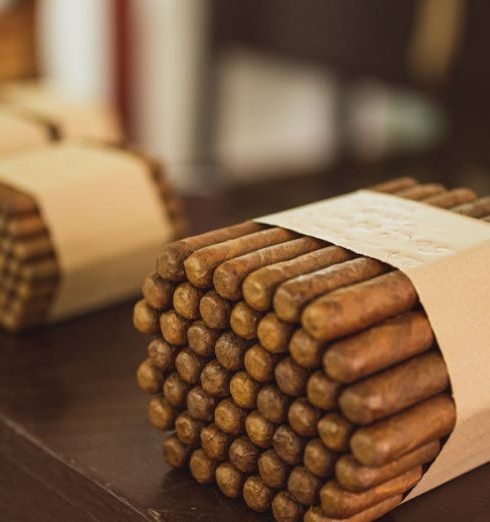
{"type": "Point", "coordinates": [264, 105]}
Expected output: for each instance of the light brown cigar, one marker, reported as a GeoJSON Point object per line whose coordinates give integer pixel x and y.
{"type": "Point", "coordinates": [188, 429]}
{"type": "Point", "coordinates": [26, 249]}
{"type": "Point", "coordinates": [354, 477]}
{"type": "Point", "coordinates": [244, 390]}
{"type": "Point", "coordinates": [338, 502]}
{"type": "Point", "coordinates": [335, 432]}
{"type": "Point", "coordinates": [274, 334]}
{"type": "Point", "coordinates": [288, 445]}
{"type": "Point", "coordinates": [321, 391]}
{"type": "Point", "coordinates": [162, 354]}
{"type": "Point", "coordinates": [201, 338]}
{"type": "Point", "coordinates": [477, 209]}
{"type": "Point", "coordinates": [14, 202]}
{"type": "Point", "coordinates": [318, 459]}
{"type": "Point", "coordinates": [256, 494]}
{"type": "Point", "coordinates": [41, 269]}
{"type": "Point", "coordinates": [229, 417]}
{"type": "Point", "coordinates": [175, 453]}
{"type": "Point", "coordinates": [394, 185]}
{"type": "Point", "coordinates": [230, 351]}
{"type": "Point", "coordinates": [174, 327]}
{"type": "Point", "coordinates": [215, 442]}
{"type": "Point", "coordinates": [378, 347]}
{"type": "Point", "coordinates": [200, 266]}
{"type": "Point", "coordinates": [161, 413]}
{"type": "Point", "coordinates": [272, 470]}
{"type": "Point", "coordinates": [229, 480]}
{"type": "Point", "coordinates": [215, 379]}
{"type": "Point", "coordinates": [171, 259]}
{"type": "Point", "coordinates": [244, 321]}
{"type": "Point", "coordinates": [260, 364]}
{"type": "Point", "coordinates": [145, 318]}
{"type": "Point", "coordinates": [359, 306]}
{"type": "Point", "coordinates": [215, 311]}
{"type": "Point", "coordinates": [273, 404]}
{"type": "Point", "coordinates": [202, 467]}
{"type": "Point", "coordinates": [391, 438]}
{"type": "Point", "coordinates": [229, 276]}
{"type": "Point", "coordinates": [306, 351]}
{"type": "Point", "coordinates": [285, 508]}
{"type": "Point", "coordinates": [149, 377]}
{"type": "Point", "coordinates": [175, 390]}
{"type": "Point", "coordinates": [259, 287]}
{"type": "Point", "coordinates": [189, 365]}
{"type": "Point", "coordinates": [293, 295]}
{"type": "Point", "coordinates": [303, 418]}
{"type": "Point", "coordinates": [157, 291]}
{"type": "Point", "coordinates": [290, 377]}
{"type": "Point", "coordinates": [186, 300]}
{"type": "Point", "coordinates": [243, 454]}
{"type": "Point", "coordinates": [259, 430]}
{"type": "Point", "coordinates": [200, 405]}
{"type": "Point", "coordinates": [315, 514]}
{"type": "Point", "coordinates": [420, 192]}
{"type": "Point", "coordinates": [451, 198]}
{"type": "Point", "coordinates": [395, 389]}
{"type": "Point", "coordinates": [304, 486]}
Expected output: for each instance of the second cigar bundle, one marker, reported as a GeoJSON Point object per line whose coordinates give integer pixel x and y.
{"type": "Point", "coordinates": [295, 373]}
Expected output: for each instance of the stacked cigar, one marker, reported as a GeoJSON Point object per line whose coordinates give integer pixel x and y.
{"type": "Point", "coordinates": [296, 374]}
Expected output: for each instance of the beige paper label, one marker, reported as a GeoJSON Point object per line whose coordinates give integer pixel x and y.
{"type": "Point", "coordinates": [104, 215]}
{"type": "Point", "coordinates": [447, 258]}
{"type": "Point", "coordinates": [17, 132]}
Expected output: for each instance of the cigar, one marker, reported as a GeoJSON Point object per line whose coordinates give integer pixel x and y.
{"type": "Point", "coordinates": [229, 480]}
{"type": "Point", "coordinates": [215, 311]}
{"type": "Point", "coordinates": [202, 467]}
{"type": "Point", "coordinates": [24, 290]}
{"type": "Point", "coordinates": [259, 430]}
{"type": "Point", "coordinates": [200, 266]}
{"type": "Point", "coordinates": [304, 486]}
{"type": "Point", "coordinates": [256, 494]}
{"type": "Point", "coordinates": [46, 268]}
{"type": "Point", "coordinates": [243, 454]}
{"type": "Point", "coordinates": [244, 320]}
{"type": "Point", "coordinates": [186, 300]}
{"type": "Point", "coordinates": [322, 391]}
{"type": "Point", "coordinates": [394, 185]}
{"type": "Point", "coordinates": [291, 378]}
{"type": "Point", "coordinates": [145, 318]}
{"type": "Point", "coordinates": [306, 351]}
{"type": "Point", "coordinates": [175, 390]}
{"type": "Point", "coordinates": [189, 365]}
{"type": "Point", "coordinates": [359, 306]}
{"type": "Point", "coordinates": [201, 338]}
{"type": "Point", "coordinates": [288, 445]}
{"type": "Point", "coordinates": [477, 209]}
{"type": "Point", "coordinates": [16, 203]}
{"type": "Point", "coordinates": [318, 459]}
{"type": "Point", "coordinates": [229, 417]}
{"type": "Point", "coordinates": [188, 429]}
{"type": "Point", "coordinates": [175, 453]}
{"type": "Point", "coordinates": [230, 351]}
{"type": "Point", "coordinates": [395, 389]}
{"type": "Point", "coordinates": [355, 477]}
{"type": "Point", "coordinates": [200, 405]}
{"type": "Point", "coordinates": [174, 327]}
{"type": "Point", "coordinates": [273, 404]}
{"type": "Point", "coordinates": [149, 377]}
{"type": "Point", "coordinates": [162, 354]}
{"type": "Point", "coordinates": [260, 364]}
{"type": "Point", "coordinates": [303, 418]}
{"type": "Point", "coordinates": [229, 276]}
{"type": "Point", "coordinates": [337, 502]}
{"type": "Point", "coordinates": [244, 390]}
{"type": "Point", "coordinates": [420, 192]}
{"type": "Point", "coordinates": [170, 262]}
{"type": "Point", "coordinates": [335, 432]}
{"type": "Point", "coordinates": [215, 443]}
{"type": "Point", "coordinates": [389, 439]}
{"type": "Point", "coordinates": [272, 470]}
{"type": "Point", "coordinates": [378, 347]}
{"type": "Point", "coordinates": [293, 295]}
{"type": "Point", "coordinates": [451, 198]}
{"type": "Point", "coordinates": [274, 334]}
{"type": "Point", "coordinates": [215, 379]}
{"type": "Point", "coordinates": [27, 249]}
{"type": "Point", "coordinates": [157, 291]}
{"type": "Point", "coordinates": [161, 413]}
{"type": "Point", "coordinates": [285, 508]}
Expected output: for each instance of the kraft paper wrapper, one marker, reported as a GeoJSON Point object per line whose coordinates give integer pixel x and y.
{"type": "Point", "coordinates": [17, 132]}
{"type": "Point", "coordinates": [447, 258]}
{"type": "Point", "coordinates": [104, 215]}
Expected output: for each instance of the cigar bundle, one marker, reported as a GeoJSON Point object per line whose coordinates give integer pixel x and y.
{"type": "Point", "coordinates": [296, 374]}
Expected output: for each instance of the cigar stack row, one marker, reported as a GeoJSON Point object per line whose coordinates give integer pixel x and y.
{"type": "Point", "coordinates": [293, 373]}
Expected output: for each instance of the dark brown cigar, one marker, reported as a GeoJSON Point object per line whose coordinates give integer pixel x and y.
{"type": "Point", "coordinates": [41, 269]}
{"type": "Point", "coordinates": [285, 508]}
{"type": "Point", "coordinates": [162, 354]}
{"type": "Point", "coordinates": [389, 439]}
{"type": "Point", "coordinates": [230, 351]}
{"type": "Point", "coordinates": [27, 249]}
{"type": "Point", "coordinates": [215, 442]}
{"type": "Point", "coordinates": [189, 365]}
{"type": "Point", "coordinates": [288, 445]}
{"type": "Point", "coordinates": [201, 338]}
{"type": "Point", "coordinates": [14, 202]}
{"type": "Point", "coordinates": [229, 480]}
{"type": "Point", "coordinates": [186, 300]}
{"type": "Point", "coordinates": [200, 405]}
{"type": "Point", "coordinates": [161, 413]}
{"type": "Point", "coordinates": [395, 389]}
{"type": "Point", "coordinates": [321, 391]}
{"type": "Point", "coordinates": [304, 486]}
{"type": "Point", "coordinates": [229, 417]}
{"type": "Point", "coordinates": [157, 291]}
{"type": "Point", "coordinates": [243, 454]}
{"type": "Point", "coordinates": [145, 318]}
{"type": "Point", "coordinates": [171, 259]}
{"type": "Point", "coordinates": [451, 198]}
{"type": "Point", "coordinates": [26, 291]}
{"type": "Point", "coordinates": [355, 477]}
{"type": "Point", "coordinates": [272, 470]}
{"type": "Point", "coordinates": [378, 347]}
{"type": "Point", "coordinates": [259, 429]}
{"type": "Point", "coordinates": [306, 351]}
{"type": "Point", "coordinates": [188, 429]}
{"type": "Point", "coordinates": [200, 266]}
{"type": "Point", "coordinates": [291, 378]}
{"type": "Point", "coordinates": [244, 321]}
{"type": "Point", "coordinates": [149, 377]}
{"type": "Point", "coordinates": [175, 390]}
{"type": "Point", "coordinates": [202, 467]}
{"type": "Point", "coordinates": [174, 327]}
{"type": "Point", "coordinates": [260, 364]}
{"type": "Point", "coordinates": [215, 379]}
{"type": "Point", "coordinates": [215, 311]}
{"type": "Point", "coordinates": [303, 418]}
{"type": "Point", "coordinates": [175, 453]}
{"type": "Point", "coordinates": [274, 334]}
{"type": "Point", "coordinates": [477, 209]}
{"type": "Point", "coordinates": [318, 459]}
{"type": "Point", "coordinates": [335, 432]}
{"type": "Point", "coordinates": [273, 404]}
{"type": "Point", "coordinates": [256, 494]}
{"type": "Point", "coordinates": [244, 390]}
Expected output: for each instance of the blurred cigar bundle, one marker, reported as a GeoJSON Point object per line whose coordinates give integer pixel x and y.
{"type": "Point", "coordinates": [294, 373]}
